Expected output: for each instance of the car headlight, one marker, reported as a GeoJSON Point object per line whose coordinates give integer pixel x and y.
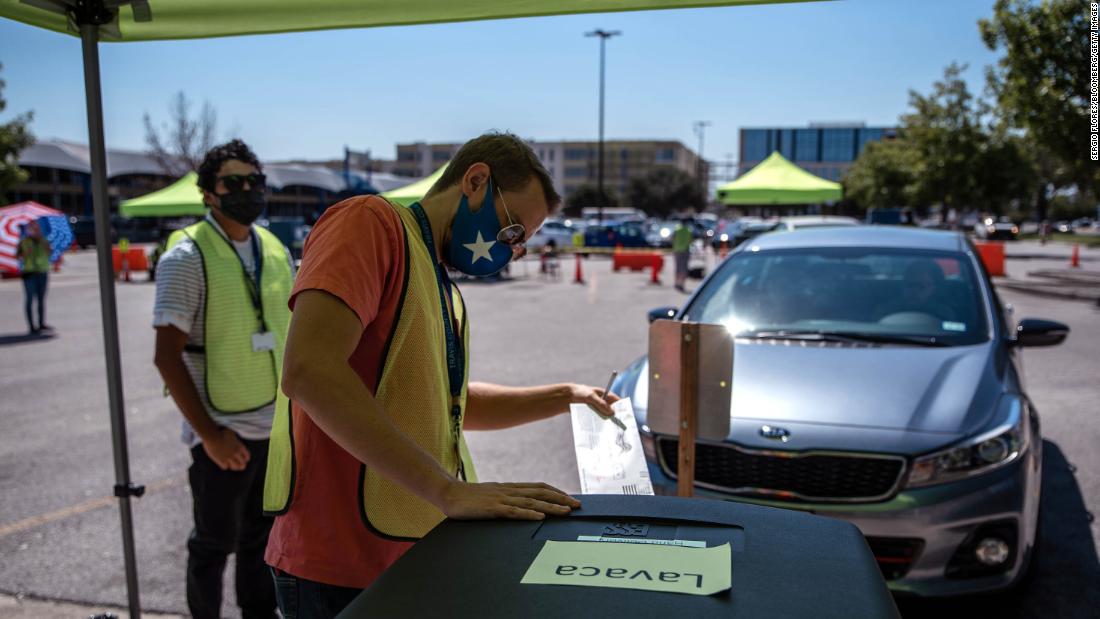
{"type": "Point", "coordinates": [975, 456]}
{"type": "Point", "coordinates": [724, 238]}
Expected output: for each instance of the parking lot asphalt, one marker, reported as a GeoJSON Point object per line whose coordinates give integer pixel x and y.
{"type": "Point", "coordinates": [59, 532]}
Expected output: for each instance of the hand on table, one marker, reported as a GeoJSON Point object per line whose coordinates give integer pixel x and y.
{"type": "Point", "coordinates": [517, 501]}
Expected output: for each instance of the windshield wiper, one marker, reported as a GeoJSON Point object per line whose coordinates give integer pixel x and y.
{"type": "Point", "coordinates": [847, 337]}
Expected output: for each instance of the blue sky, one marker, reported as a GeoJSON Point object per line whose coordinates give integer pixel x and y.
{"type": "Point", "coordinates": [307, 95]}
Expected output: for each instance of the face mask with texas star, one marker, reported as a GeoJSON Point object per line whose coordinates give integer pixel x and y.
{"type": "Point", "coordinates": [473, 248]}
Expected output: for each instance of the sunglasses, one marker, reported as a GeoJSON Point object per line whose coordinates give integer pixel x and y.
{"type": "Point", "coordinates": [236, 182]}
{"type": "Point", "coordinates": [514, 234]}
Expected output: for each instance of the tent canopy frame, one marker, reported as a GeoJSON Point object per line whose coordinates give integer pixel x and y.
{"type": "Point", "coordinates": [93, 20]}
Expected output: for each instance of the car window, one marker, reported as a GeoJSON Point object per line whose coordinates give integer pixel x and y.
{"type": "Point", "coordinates": [850, 290]}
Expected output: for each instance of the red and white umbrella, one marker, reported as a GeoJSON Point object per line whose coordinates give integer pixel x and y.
{"type": "Point", "coordinates": [12, 220]}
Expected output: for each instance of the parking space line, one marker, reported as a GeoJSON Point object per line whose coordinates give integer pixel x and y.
{"type": "Point", "coordinates": [81, 508]}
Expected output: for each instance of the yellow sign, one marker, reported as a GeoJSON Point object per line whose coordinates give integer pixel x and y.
{"type": "Point", "coordinates": [672, 569]}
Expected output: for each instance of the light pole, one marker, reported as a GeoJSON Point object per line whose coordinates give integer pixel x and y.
{"type": "Point", "coordinates": [604, 36]}
{"type": "Point", "coordinates": [700, 127]}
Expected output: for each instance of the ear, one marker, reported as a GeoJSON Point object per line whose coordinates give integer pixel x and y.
{"type": "Point", "coordinates": [475, 183]}
{"type": "Point", "coordinates": [209, 199]}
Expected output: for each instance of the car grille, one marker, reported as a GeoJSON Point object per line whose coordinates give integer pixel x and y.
{"type": "Point", "coordinates": [817, 477]}
{"type": "Point", "coordinates": [894, 555]}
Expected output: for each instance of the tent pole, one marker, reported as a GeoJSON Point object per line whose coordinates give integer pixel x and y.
{"type": "Point", "coordinates": [124, 489]}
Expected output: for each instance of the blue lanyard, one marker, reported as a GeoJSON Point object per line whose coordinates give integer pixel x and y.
{"type": "Point", "coordinates": [456, 361]}
{"type": "Point", "coordinates": [253, 285]}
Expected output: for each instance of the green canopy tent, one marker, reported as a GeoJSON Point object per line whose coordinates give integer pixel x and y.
{"type": "Point", "coordinates": [150, 20]}
{"type": "Point", "coordinates": [415, 191]}
{"type": "Point", "coordinates": [179, 199]}
{"type": "Point", "coordinates": [778, 181]}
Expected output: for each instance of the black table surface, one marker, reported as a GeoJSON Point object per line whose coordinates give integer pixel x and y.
{"type": "Point", "coordinates": [784, 564]}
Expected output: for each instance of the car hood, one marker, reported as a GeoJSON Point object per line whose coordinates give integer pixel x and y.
{"type": "Point", "coordinates": [950, 392]}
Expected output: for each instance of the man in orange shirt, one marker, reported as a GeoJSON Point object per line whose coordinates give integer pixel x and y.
{"type": "Point", "coordinates": [368, 455]}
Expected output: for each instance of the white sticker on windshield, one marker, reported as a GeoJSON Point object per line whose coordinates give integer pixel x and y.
{"type": "Point", "coordinates": [953, 326]}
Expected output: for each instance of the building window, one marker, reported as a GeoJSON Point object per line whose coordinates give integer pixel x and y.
{"type": "Point", "coordinates": [868, 135]}
{"type": "Point", "coordinates": [666, 155]}
{"type": "Point", "coordinates": [838, 145]}
{"type": "Point", "coordinates": [440, 156]}
{"type": "Point", "coordinates": [573, 172]}
{"type": "Point", "coordinates": [786, 143]}
{"type": "Point", "coordinates": [754, 144]}
{"type": "Point", "coordinates": [805, 145]}
{"type": "Point", "coordinates": [576, 154]}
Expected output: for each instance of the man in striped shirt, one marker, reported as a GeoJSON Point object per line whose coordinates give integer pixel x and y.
{"type": "Point", "coordinates": [228, 447]}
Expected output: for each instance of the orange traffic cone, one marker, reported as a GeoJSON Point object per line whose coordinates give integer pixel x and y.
{"type": "Point", "coordinates": [657, 260]}
{"type": "Point", "coordinates": [1075, 259]}
{"type": "Point", "coordinates": [578, 276]}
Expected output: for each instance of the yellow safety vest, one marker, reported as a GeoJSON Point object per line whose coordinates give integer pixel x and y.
{"type": "Point", "coordinates": [413, 392]}
{"type": "Point", "coordinates": [238, 378]}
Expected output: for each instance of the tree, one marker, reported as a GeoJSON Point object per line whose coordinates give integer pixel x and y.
{"type": "Point", "coordinates": [14, 137]}
{"type": "Point", "coordinates": [665, 190]}
{"type": "Point", "coordinates": [884, 175]}
{"type": "Point", "coordinates": [181, 143]}
{"type": "Point", "coordinates": [589, 195]}
{"type": "Point", "coordinates": [945, 130]}
{"type": "Point", "coordinates": [951, 150]}
{"type": "Point", "coordinates": [1041, 85]}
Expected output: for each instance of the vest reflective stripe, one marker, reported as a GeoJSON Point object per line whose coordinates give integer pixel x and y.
{"type": "Point", "coordinates": [413, 390]}
{"type": "Point", "coordinates": [239, 379]}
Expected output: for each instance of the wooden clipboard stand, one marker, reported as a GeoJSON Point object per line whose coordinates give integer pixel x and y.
{"type": "Point", "coordinates": [690, 388]}
{"type": "Point", "coordinates": [689, 409]}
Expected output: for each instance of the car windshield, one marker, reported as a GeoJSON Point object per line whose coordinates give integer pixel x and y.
{"type": "Point", "coordinates": [870, 294]}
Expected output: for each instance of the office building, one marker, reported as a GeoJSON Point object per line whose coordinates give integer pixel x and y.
{"type": "Point", "coordinates": [824, 149]}
{"type": "Point", "coordinates": [572, 163]}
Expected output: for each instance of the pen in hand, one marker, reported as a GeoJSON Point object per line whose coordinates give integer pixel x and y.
{"type": "Point", "coordinates": [613, 418]}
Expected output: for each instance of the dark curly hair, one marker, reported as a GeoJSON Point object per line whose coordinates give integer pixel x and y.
{"type": "Point", "coordinates": [215, 157]}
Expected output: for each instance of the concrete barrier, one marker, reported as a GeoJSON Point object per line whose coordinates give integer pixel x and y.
{"type": "Point", "coordinates": [992, 254]}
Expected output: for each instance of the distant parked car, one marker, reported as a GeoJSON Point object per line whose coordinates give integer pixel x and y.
{"type": "Point", "coordinates": [554, 234]}
{"type": "Point", "coordinates": [891, 216]}
{"type": "Point", "coordinates": [743, 229]}
{"type": "Point", "coordinates": [1083, 224]}
{"type": "Point", "coordinates": [1000, 229]}
{"type": "Point", "coordinates": [612, 235]}
{"type": "Point", "coordinates": [814, 221]}
{"type": "Point", "coordinates": [659, 233]}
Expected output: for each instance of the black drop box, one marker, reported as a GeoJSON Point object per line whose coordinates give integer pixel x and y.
{"type": "Point", "coordinates": [785, 564]}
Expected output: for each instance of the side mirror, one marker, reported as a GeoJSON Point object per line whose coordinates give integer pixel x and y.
{"type": "Point", "coordinates": [662, 313]}
{"type": "Point", "coordinates": [1039, 332]}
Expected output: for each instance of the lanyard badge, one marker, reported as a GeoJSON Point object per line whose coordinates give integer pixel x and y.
{"type": "Point", "coordinates": [456, 360]}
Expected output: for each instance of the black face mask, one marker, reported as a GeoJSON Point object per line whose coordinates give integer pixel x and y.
{"type": "Point", "coordinates": [243, 206]}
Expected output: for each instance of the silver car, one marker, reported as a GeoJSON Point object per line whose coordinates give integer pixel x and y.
{"type": "Point", "coordinates": [878, 380]}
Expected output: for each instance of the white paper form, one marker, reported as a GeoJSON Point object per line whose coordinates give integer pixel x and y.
{"type": "Point", "coordinates": [609, 460]}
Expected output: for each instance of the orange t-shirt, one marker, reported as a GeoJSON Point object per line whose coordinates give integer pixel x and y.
{"type": "Point", "coordinates": [356, 252]}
